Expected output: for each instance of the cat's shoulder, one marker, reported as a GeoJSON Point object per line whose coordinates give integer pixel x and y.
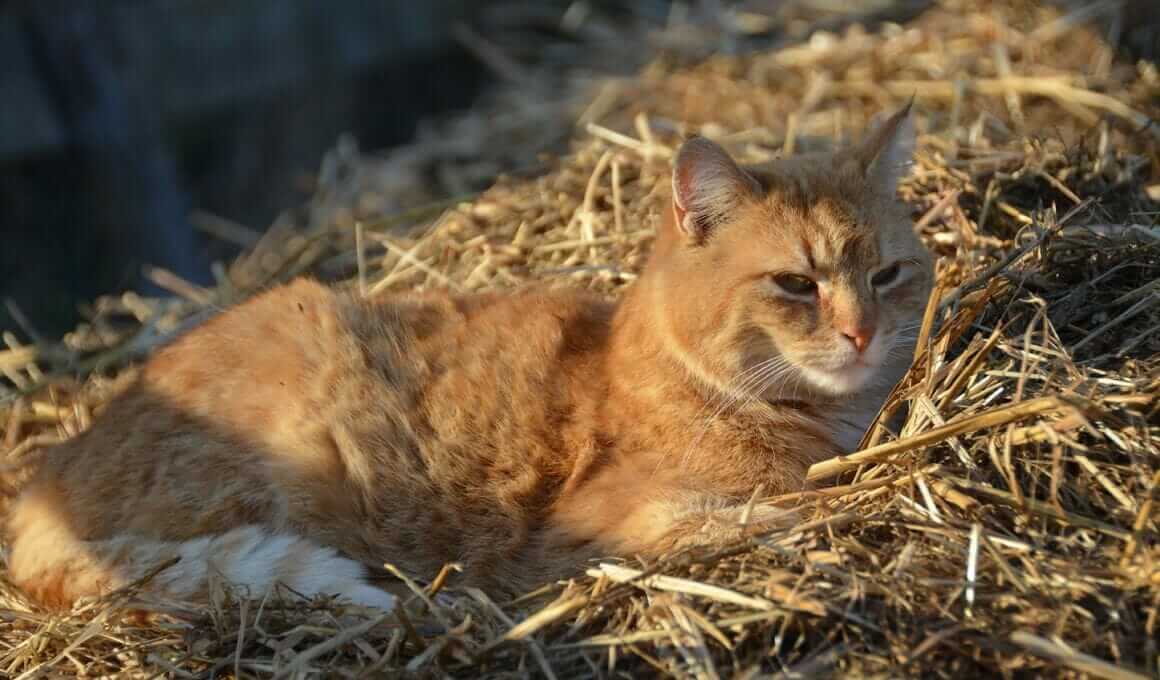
{"type": "Point", "coordinates": [303, 321]}
{"type": "Point", "coordinates": [529, 305]}
{"type": "Point", "coordinates": [294, 308]}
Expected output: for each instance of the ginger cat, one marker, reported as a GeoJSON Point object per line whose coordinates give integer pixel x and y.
{"type": "Point", "coordinates": [307, 436]}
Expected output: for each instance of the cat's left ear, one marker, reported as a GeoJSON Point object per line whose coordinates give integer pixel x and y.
{"type": "Point", "coordinates": [886, 154]}
{"type": "Point", "coordinates": [708, 186]}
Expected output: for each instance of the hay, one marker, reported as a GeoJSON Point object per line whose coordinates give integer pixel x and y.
{"type": "Point", "coordinates": [1009, 526]}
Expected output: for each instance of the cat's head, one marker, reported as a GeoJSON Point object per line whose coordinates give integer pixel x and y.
{"type": "Point", "coordinates": [803, 273]}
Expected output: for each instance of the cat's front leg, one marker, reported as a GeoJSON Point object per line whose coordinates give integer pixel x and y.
{"type": "Point", "coordinates": [723, 526]}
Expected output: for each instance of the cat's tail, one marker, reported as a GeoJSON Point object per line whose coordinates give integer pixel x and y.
{"type": "Point", "coordinates": [53, 568]}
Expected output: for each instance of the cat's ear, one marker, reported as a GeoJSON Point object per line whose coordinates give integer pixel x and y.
{"type": "Point", "coordinates": [886, 154]}
{"type": "Point", "coordinates": [707, 187]}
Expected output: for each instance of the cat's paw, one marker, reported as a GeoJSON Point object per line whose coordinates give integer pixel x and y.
{"type": "Point", "coordinates": [763, 519]}
{"type": "Point", "coordinates": [370, 597]}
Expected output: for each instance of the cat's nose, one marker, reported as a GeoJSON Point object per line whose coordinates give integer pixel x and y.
{"type": "Point", "coordinates": [860, 337]}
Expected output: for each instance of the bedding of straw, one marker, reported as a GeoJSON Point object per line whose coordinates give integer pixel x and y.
{"type": "Point", "coordinates": [1009, 526]}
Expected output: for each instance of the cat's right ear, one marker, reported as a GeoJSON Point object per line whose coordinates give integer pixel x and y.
{"type": "Point", "coordinates": [887, 153]}
{"type": "Point", "coordinates": [707, 187]}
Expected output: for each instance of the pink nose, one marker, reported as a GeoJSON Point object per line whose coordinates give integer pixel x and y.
{"type": "Point", "coordinates": [861, 337]}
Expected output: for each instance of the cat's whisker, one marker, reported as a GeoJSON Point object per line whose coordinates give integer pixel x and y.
{"type": "Point", "coordinates": [774, 378]}
{"type": "Point", "coordinates": [901, 347]}
{"type": "Point", "coordinates": [796, 383]}
{"type": "Point", "coordinates": [771, 378]}
{"type": "Point", "coordinates": [771, 365]}
{"type": "Point", "coordinates": [753, 396]}
{"type": "Point", "coordinates": [734, 390]}
{"type": "Point", "coordinates": [738, 385]}
{"type": "Point", "coordinates": [771, 369]}
{"type": "Point", "coordinates": [787, 368]}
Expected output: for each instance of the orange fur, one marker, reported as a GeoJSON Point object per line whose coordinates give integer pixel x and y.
{"type": "Point", "coordinates": [308, 435]}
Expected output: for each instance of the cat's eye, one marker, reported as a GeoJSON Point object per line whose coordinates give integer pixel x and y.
{"type": "Point", "coordinates": [795, 284]}
{"type": "Point", "coordinates": [885, 277]}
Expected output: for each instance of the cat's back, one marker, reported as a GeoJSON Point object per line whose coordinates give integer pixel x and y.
{"type": "Point", "coordinates": [303, 350]}
{"type": "Point", "coordinates": [295, 402]}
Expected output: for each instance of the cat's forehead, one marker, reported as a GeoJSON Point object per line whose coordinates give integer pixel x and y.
{"type": "Point", "coordinates": [825, 186]}
{"type": "Point", "coordinates": [816, 216]}
{"type": "Point", "coordinates": [829, 239]}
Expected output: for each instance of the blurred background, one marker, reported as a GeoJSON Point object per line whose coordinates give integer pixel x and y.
{"type": "Point", "coordinates": [172, 133]}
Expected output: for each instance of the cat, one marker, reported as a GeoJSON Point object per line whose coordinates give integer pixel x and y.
{"type": "Point", "coordinates": [308, 436]}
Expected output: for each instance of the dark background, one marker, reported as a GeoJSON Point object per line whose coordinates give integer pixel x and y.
{"type": "Point", "coordinates": [118, 118]}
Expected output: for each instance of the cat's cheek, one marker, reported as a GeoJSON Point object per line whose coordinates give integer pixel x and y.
{"type": "Point", "coordinates": [910, 293]}
{"type": "Point", "coordinates": [798, 319]}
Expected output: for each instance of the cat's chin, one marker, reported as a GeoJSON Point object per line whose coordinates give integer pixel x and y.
{"type": "Point", "coordinates": [840, 382]}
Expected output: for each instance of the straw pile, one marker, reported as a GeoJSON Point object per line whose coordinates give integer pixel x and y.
{"type": "Point", "coordinates": [1009, 526]}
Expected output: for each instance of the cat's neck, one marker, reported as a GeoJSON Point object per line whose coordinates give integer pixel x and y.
{"type": "Point", "coordinates": [636, 341]}
{"type": "Point", "coordinates": [645, 349]}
